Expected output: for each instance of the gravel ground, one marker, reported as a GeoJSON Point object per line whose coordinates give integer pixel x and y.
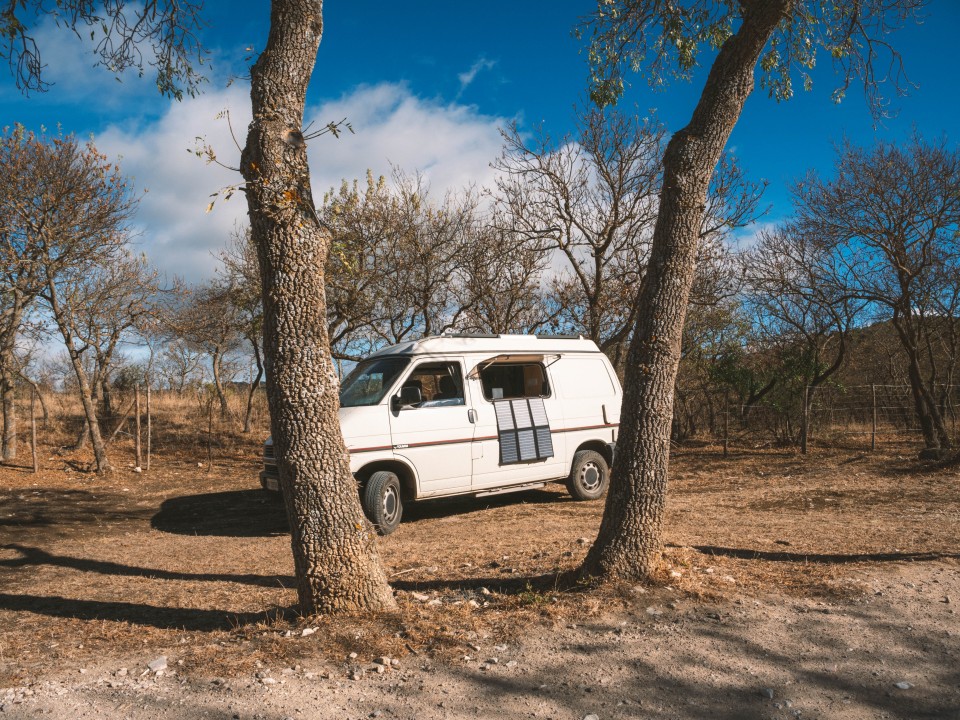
{"type": "Point", "coordinates": [892, 652]}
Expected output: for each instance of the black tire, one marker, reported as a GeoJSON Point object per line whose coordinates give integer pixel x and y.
{"type": "Point", "coordinates": [589, 476]}
{"type": "Point", "coordinates": [382, 501]}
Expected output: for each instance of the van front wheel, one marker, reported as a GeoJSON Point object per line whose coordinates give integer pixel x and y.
{"type": "Point", "coordinates": [381, 501]}
{"type": "Point", "coordinates": [589, 476]}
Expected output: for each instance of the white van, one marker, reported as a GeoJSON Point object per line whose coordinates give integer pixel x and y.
{"type": "Point", "coordinates": [475, 414]}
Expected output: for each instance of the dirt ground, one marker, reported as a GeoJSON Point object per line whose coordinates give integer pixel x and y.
{"type": "Point", "coordinates": [822, 586]}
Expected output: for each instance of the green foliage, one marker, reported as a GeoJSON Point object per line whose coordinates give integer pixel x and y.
{"type": "Point", "coordinates": [664, 39]}
{"type": "Point", "coordinates": [130, 376]}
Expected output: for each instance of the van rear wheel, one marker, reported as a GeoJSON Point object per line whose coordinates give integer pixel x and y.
{"type": "Point", "coordinates": [589, 475]}
{"type": "Point", "coordinates": [382, 502]}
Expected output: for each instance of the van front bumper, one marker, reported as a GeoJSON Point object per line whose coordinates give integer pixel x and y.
{"type": "Point", "coordinates": [269, 480]}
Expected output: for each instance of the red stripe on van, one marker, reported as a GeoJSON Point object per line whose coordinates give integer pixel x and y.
{"type": "Point", "coordinates": [466, 440]}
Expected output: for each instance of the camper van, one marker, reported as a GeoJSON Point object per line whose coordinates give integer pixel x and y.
{"type": "Point", "coordinates": [475, 415]}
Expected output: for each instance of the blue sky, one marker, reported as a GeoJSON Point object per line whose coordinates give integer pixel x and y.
{"type": "Point", "coordinates": [426, 85]}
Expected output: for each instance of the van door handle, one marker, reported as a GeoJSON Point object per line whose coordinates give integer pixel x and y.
{"type": "Point", "coordinates": [472, 415]}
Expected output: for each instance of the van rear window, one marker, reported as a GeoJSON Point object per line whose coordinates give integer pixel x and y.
{"type": "Point", "coordinates": [504, 381]}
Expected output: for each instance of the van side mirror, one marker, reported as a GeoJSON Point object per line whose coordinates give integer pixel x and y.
{"type": "Point", "coordinates": [409, 395]}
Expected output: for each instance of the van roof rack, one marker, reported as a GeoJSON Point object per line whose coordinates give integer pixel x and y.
{"type": "Point", "coordinates": [551, 336]}
{"type": "Point", "coordinates": [471, 335]}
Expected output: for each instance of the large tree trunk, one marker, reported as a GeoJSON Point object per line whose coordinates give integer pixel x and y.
{"type": "Point", "coordinates": [334, 549]}
{"type": "Point", "coordinates": [8, 401]}
{"type": "Point", "coordinates": [631, 534]}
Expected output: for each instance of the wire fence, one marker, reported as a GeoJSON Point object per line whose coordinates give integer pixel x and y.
{"type": "Point", "coordinates": [856, 416]}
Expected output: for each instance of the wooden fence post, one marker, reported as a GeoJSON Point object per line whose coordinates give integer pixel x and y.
{"type": "Point", "coordinates": [136, 425]}
{"type": "Point", "coordinates": [805, 420]}
{"type": "Point", "coordinates": [209, 435]}
{"type": "Point", "coordinates": [873, 432]}
{"type": "Point", "coordinates": [149, 426]}
{"type": "Point", "coordinates": [726, 425]}
{"type": "Point", "coordinates": [33, 429]}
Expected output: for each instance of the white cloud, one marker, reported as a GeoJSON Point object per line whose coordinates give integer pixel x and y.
{"type": "Point", "coordinates": [175, 231]}
{"type": "Point", "coordinates": [450, 144]}
{"type": "Point", "coordinates": [470, 75]}
{"type": "Point", "coordinates": [748, 236]}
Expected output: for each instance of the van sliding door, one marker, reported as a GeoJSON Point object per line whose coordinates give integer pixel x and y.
{"type": "Point", "coordinates": [515, 410]}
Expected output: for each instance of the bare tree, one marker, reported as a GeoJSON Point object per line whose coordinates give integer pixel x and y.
{"type": "Point", "coordinates": [806, 317]}
{"type": "Point", "coordinates": [665, 39]}
{"type": "Point", "coordinates": [399, 262]}
{"type": "Point", "coordinates": [592, 201]}
{"type": "Point", "coordinates": [95, 307]}
{"type": "Point", "coordinates": [210, 321]}
{"type": "Point", "coordinates": [179, 364]}
{"type": "Point", "coordinates": [887, 229]}
{"type": "Point", "coordinates": [503, 276]}
{"type": "Point", "coordinates": [721, 361]}
{"type": "Point", "coordinates": [108, 308]}
{"type": "Point", "coordinates": [118, 31]}
{"type": "Point", "coordinates": [25, 160]}
{"type": "Point", "coordinates": [67, 223]}
{"type": "Point", "coordinates": [242, 280]}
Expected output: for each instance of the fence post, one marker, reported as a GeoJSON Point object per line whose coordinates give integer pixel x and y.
{"type": "Point", "coordinates": [136, 425]}
{"type": "Point", "coordinates": [805, 420]}
{"type": "Point", "coordinates": [33, 429]}
{"type": "Point", "coordinates": [209, 435]}
{"type": "Point", "coordinates": [873, 431]}
{"type": "Point", "coordinates": [149, 426]}
{"type": "Point", "coordinates": [726, 424]}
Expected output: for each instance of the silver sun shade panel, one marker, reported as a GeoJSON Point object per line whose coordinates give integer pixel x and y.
{"type": "Point", "coordinates": [524, 430]}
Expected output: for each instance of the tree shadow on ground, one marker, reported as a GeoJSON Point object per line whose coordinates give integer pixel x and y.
{"type": "Point", "coordinates": [255, 513]}
{"type": "Point", "coordinates": [467, 504]}
{"type": "Point", "coordinates": [724, 670]}
{"type": "Point", "coordinates": [36, 557]}
{"type": "Point", "coordinates": [516, 585]}
{"type": "Point", "coordinates": [164, 618]}
{"type": "Point", "coordinates": [14, 465]}
{"type": "Point", "coordinates": [233, 513]}
{"type": "Point", "coordinates": [41, 507]}
{"type": "Point", "coordinates": [820, 558]}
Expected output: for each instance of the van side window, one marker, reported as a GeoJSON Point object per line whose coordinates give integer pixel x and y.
{"type": "Point", "coordinates": [505, 381]}
{"type": "Point", "coordinates": [440, 384]}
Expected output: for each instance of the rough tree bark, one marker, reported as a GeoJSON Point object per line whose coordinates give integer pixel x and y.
{"type": "Point", "coordinates": [630, 538]}
{"type": "Point", "coordinates": [7, 400]}
{"type": "Point", "coordinates": [335, 555]}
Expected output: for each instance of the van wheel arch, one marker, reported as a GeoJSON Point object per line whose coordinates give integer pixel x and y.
{"type": "Point", "coordinates": [408, 480]}
{"type": "Point", "coordinates": [598, 446]}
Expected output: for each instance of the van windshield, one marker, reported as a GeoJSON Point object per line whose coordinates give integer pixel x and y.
{"type": "Point", "coordinates": [370, 381]}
